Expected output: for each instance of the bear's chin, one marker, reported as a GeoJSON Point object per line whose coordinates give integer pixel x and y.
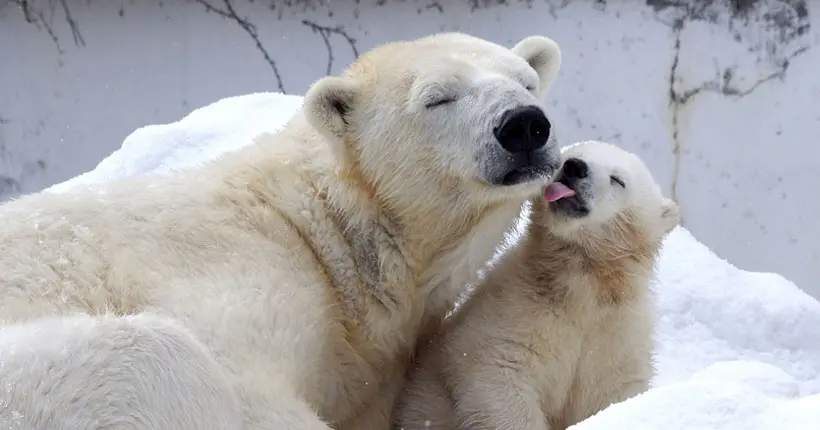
{"type": "Point", "coordinates": [570, 207]}
{"type": "Point", "coordinates": [524, 175]}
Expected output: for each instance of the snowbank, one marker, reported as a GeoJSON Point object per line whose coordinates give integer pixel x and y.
{"type": "Point", "coordinates": [735, 349]}
{"type": "Point", "coordinates": [226, 125]}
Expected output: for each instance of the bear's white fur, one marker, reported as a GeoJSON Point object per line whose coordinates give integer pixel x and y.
{"type": "Point", "coordinates": [307, 264]}
{"type": "Point", "coordinates": [80, 372]}
{"type": "Point", "coordinates": [562, 326]}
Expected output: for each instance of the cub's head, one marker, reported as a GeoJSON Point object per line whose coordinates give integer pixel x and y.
{"type": "Point", "coordinates": [604, 194]}
{"type": "Point", "coordinates": [445, 116]}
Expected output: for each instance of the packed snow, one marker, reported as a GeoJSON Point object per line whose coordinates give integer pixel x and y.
{"type": "Point", "coordinates": [735, 349]}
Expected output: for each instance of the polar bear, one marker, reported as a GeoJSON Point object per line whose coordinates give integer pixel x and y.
{"type": "Point", "coordinates": [309, 263]}
{"type": "Point", "coordinates": [562, 326]}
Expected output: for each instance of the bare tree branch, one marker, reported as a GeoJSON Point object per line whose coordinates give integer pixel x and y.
{"type": "Point", "coordinates": [34, 12]}
{"type": "Point", "coordinates": [75, 29]}
{"type": "Point", "coordinates": [325, 32]}
{"type": "Point", "coordinates": [230, 13]}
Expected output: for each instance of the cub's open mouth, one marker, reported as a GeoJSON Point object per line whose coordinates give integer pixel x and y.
{"type": "Point", "coordinates": [563, 198]}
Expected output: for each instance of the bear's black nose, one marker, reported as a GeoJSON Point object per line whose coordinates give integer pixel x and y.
{"type": "Point", "coordinates": [523, 129]}
{"type": "Point", "coordinates": [575, 168]}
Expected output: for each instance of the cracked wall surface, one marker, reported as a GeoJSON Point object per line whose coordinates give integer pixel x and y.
{"type": "Point", "coordinates": [719, 96]}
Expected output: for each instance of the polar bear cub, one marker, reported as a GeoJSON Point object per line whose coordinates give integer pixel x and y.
{"type": "Point", "coordinates": [310, 262]}
{"type": "Point", "coordinates": [562, 326]}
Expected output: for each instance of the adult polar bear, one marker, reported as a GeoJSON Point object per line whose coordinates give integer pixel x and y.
{"type": "Point", "coordinates": [298, 271]}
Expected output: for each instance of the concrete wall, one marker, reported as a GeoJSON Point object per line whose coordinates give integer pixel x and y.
{"type": "Point", "coordinates": [720, 97]}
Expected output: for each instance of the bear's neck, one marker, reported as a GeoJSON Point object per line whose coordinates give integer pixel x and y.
{"type": "Point", "coordinates": [444, 240]}
{"type": "Point", "coordinates": [437, 234]}
{"type": "Point", "coordinates": [619, 259]}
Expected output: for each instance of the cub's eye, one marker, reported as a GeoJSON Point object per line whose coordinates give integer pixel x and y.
{"type": "Point", "coordinates": [530, 88]}
{"type": "Point", "coordinates": [616, 180]}
{"type": "Point", "coordinates": [439, 102]}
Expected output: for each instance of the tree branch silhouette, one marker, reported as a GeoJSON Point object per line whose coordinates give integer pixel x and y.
{"type": "Point", "coordinates": [41, 14]}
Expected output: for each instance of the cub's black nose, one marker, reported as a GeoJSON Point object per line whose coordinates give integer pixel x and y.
{"type": "Point", "coordinates": [575, 168]}
{"type": "Point", "coordinates": [523, 129]}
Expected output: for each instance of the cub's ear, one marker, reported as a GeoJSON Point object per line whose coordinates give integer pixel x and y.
{"type": "Point", "coordinates": [670, 215]}
{"type": "Point", "coordinates": [543, 55]}
{"type": "Point", "coordinates": [328, 105]}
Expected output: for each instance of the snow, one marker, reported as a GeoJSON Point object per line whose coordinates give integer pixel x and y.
{"type": "Point", "coordinates": [735, 349]}
{"type": "Point", "coordinates": [226, 125]}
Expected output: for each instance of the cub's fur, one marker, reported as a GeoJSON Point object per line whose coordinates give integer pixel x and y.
{"type": "Point", "coordinates": [562, 325]}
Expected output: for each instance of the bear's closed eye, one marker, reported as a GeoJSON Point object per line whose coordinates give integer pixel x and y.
{"type": "Point", "coordinates": [439, 102]}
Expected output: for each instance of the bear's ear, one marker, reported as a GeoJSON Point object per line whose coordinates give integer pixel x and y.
{"type": "Point", "coordinates": [670, 215]}
{"type": "Point", "coordinates": [543, 55]}
{"type": "Point", "coordinates": [328, 105]}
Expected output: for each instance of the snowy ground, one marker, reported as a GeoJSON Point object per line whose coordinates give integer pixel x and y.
{"type": "Point", "coordinates": [736, 349]}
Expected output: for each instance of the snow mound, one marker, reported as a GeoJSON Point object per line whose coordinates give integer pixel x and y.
{"type": "Point", "coordinates": [205, 133]}
{"type": "Point", "coordinates": [736, 349]}
{"type": "Point", "coordinates": [710, 400]}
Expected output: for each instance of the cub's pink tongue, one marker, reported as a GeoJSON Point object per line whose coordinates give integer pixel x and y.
{"type": "Point", "coordinates": [557, 191]}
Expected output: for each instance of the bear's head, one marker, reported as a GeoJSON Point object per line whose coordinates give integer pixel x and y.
{"type": "Point", "coordinates": [448, 118]}
{"type": "Point", "coordinates": [605, 195]}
